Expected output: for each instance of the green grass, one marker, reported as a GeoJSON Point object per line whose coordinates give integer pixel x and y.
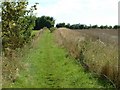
{"type": "Point", "coordinates": [34, 32]}
{"type": "Point", "coordinates": [46, 66]}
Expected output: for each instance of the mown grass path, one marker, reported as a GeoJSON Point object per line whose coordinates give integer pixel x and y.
{"type": "Point", "coordinates": [46, 66]}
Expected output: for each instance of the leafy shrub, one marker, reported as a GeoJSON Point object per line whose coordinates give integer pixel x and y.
{"type": "Point", "coordinates": [17, 24]}
{"type": "Point", "coordinates": [52, 29]}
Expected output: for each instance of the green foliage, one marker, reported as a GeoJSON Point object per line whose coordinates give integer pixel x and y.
{"type": "Point", "coordinates": [60, 25]}
{"type": "Point", "coordinates": [105, 27]}
{"type": "Point", "coordinates": [17, 24]}
{"type": "Point", "coordinates": [116, 27]}
{"type": "Point", "coordinates": [44, 21]}
{"type": "Point", "coordinates": [101, 27]}
{"type": "Point", "coordinates": [83, 26]}
{"type": "Point", "coordinates": [109, 27]}
{"type": "Point", "coordinates": [94, 26]}
{"type": "Point", "coordinates": [74, 26]}
{"type": "Point", "coordinates": [52, 29]}
{"type": "Point", "coordinates": [68, 25]}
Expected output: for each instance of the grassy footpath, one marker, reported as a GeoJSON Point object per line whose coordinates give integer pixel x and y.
{"type": "Point", "coordinates": [46, 66]}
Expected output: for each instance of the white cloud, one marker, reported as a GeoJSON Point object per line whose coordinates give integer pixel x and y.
{"type": "Point", "coordinates": [101, 12]}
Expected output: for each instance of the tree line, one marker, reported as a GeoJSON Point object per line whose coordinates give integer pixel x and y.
{"type": "Point", "coordinates": [49, 22]}
{"type": "Point", "coordinates": [83, 26]}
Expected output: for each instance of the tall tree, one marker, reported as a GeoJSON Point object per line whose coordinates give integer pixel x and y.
{"type": "Point", "coordinates": [44, 21]}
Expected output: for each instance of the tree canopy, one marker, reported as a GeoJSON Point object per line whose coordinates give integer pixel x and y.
{"type": "Point", "coordinates": [44, 21]}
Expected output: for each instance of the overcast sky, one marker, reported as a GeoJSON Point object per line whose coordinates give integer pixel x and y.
{"type": "Point", "coordinates": [100, 12]}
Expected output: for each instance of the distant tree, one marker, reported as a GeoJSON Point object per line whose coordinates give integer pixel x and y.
{"type": "Point", "coordinates": [60, 25]}
{"type": "Point", "coordinates": [116, 27]}
{"type": "Point", "coordinates": [82, 26]}
{"type": "Point", "coordinates": [105, 27]}
{"type": "Point", "coordinates": [94, 26]}
{"type": "Point", "coordinates": [72, 26]}
{"type": "Point", "coordinates": [109, 27]}
{"type": "Point", "coordinates": [44, 21]}
{"type": "Point", "coordinates": [101, 27]}
{"type": "Point", "coordinates": [67, 26]}
{"type": "Point", "coordinates": [86, 27]}
{"type": "Point", "coordinates": [76, 26]}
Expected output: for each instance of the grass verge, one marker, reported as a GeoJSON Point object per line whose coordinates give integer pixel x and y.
{"type": "Point", "coordinates": [49, 66]}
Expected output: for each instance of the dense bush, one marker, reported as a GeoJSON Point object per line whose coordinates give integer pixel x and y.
{"type": "Point", "coordinates": [17, 24]}
{"type": "Point", "coordinates": [52, 29]}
